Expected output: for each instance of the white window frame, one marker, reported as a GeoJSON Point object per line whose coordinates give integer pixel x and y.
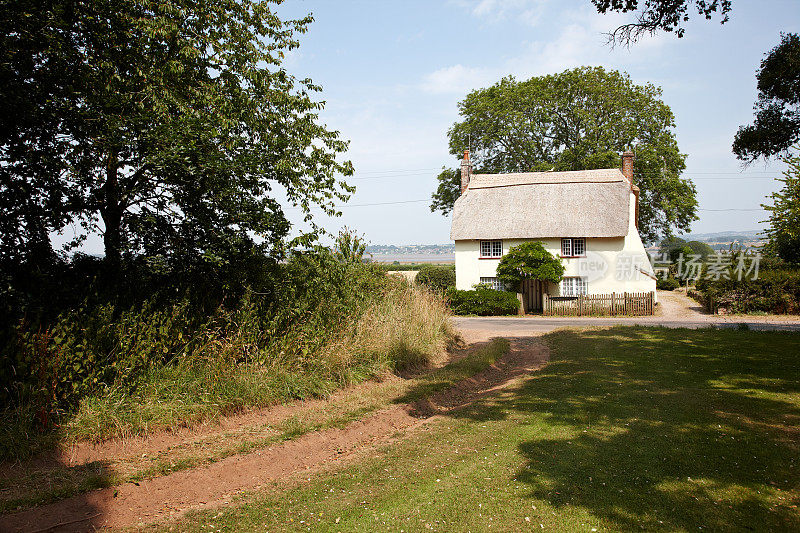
{"type": "Point", "coordinates": [493, 282]}
{"type": "Point", "coordinates": [573, 286]}
{"type": "Point", "coordinates": [579, 247]}
{"type": "Point", "coordinates": [566, 247]}
{"type": "Point", "coordinates": [573, 247]}
{"type": "Point", "coordinates": [491, 249]}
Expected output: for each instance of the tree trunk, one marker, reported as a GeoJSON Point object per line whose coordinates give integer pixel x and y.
{"type": "Point", "coordinates": [111, 213]}
{"type": "Point", "coordinates": [38, 251]}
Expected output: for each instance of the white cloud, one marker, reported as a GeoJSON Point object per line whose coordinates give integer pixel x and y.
{"type": "Point", "coordinates": [457, 79]}
{"type": "Point", "coordinates": [579, 41]}
{"type": "Point", "coordinates": [574, 47]}
{"type": "Point", "coordinates": [293, 58]}
{"type": "Point", "coordinates": [492, 11]}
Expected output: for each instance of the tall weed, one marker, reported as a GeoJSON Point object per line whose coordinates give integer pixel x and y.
{"type": "Point", "coordinates": [100, 370]}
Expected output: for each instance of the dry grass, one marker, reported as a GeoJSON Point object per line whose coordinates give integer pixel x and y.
{"type": "Point", "coordinates": [409, 329]}
{"type": "Point", "coordinates": [402, 328]}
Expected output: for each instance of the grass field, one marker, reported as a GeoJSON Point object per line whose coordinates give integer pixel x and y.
{"type": "Point", "coordinates": [625, 429]}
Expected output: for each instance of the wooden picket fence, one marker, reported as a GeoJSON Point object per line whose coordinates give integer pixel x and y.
{"type": "Point", "coordinates": [614, 304]}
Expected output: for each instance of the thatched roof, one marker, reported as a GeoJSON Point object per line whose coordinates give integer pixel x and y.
{"type": "Point", "coordinates": [533, 205]}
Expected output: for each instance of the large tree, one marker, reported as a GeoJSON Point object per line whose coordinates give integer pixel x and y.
{"type": "Point", "coordinates": [673, 246]}
{"type": "Point", "coordinates": [784, 214]}
{"type": "Point", "coordinates": [37, 59]}
{"type": "Point", "coordinates": [168, 126]}
{"type": "Point", "coordinates": [777, 124]}
{"type": "Point", "coordinates": [659, 15]}
{"type": "Point", "coordinates": [579, 119]}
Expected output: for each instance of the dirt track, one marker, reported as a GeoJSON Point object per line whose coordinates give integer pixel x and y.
{"type": "Point", "coordinates": [676, 305]}
{"type": "Point", "coordinates": [168, 496]}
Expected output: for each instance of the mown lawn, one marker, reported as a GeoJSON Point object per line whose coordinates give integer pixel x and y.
{"type": "Point", "coordinates": [626, 429]}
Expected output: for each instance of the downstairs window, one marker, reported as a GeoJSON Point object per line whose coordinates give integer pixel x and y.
{"type": "Point", "coordinates": [573, 286]}
{"type": "Point", "coordinates": [493, 283]}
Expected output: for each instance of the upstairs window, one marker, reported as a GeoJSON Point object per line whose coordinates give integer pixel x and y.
{"type": "Point", "coordinates": [573, 286]}
{"type": "Point", "coordinates": [491, 248]}
{"type": "Point", "coordinates": [573, 247]}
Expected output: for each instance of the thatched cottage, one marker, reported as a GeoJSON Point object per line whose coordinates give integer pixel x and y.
{"type": "Point", "coordinates": [587, 218]}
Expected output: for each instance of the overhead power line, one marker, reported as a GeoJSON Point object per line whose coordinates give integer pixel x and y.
{"type": "Point", "coordinates": [687, 176]}
{"type": "Point", "coordinates": [736, 209]}
{"type": "Point", "coordinates": [428, 200]}
{"type": "Point", "coordinates": [371, 204]}
{"type": "Point", "coordinates": [386, 203]}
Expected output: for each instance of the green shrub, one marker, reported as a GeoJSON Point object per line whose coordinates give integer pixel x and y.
{"type": "Point", "coordinates": [702, 284]}
{"type": "Point", "coordinates": [668, 284]}
{"type": "Point", "coordinates": [483, 302]}
{"type": "Point", "coordinates": [437, 278]}
{"type": "Point", "coordinates": [102, 344]}
{"type": "Point", "coordinates": [775, 291]}
{"type": "Point", "coordinates": [529, 260]}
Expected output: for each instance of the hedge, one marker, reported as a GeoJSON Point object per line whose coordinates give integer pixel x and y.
{"type": "Point", "coordinates": [668, 284]}
{"type": "Point", "coordinates": [438, 278]}
{"type": "Point", "coordinates": [482, 302]}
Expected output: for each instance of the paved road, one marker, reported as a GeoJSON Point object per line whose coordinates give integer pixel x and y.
{"type": "Point", "coordinates": [675, 310]}
{"type": "Point", "coordinates": [522, 326]}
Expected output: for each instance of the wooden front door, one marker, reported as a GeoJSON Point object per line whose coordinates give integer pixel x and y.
{"type": "Point", "coordinates": [532, 295]}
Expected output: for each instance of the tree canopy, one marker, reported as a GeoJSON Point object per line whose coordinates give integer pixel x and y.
{"type": "Point", "coordinates": [784, 218]}
{"type": "Point", "coordinates": [777, 122]}
{"type": "Point", "coordinates": [674, 246]}
{"type": "Point", "coordinates": [529, 260]}
{"type": "Point", "coordinates": [171, 128]}
{"type": "Point", "coordinates": [448, 190]}
{"type": "Point", "coordinates": [659, 15]}
{"type": "Point", "coordinates": [580, 119]}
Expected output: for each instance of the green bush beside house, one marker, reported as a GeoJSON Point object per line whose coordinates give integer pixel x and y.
{"type": "Point", "coordinates": [438, 278]}
{"type": "Point", "coordinates": [667, 284]}
{"type": "Point", "coordinates": [529, 260]}
{"type": "Point", "coordinates": [482, 301]}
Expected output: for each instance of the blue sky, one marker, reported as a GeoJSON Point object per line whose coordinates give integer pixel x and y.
{"type": "Point", "coordinates": [393, 72]}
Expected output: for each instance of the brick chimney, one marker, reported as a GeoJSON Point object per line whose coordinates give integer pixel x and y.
{"type": "Point", "coordinates": [627, 171]}
{"type": "Point", "coordinates": [627, 166]}
{"type": "Point", "coordinates": [466, 171]}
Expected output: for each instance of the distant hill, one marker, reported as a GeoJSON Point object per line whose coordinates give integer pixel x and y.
{"type": "Point", "coordinates": [742, 236]}
{"type": "Point", "coordinates": [411, 249]}
{"type": "Point", "coordinates": [722, 240]}
{"type": "Point", "coordinates": [719, 241]}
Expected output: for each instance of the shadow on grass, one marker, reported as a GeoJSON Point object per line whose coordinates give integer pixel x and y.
{"type": "Point", "coordinates": [663, 429]}
{"type": "Point", "coordinates": [470, 361]}
{"type": "Point", "coordinates": [83, 512]}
